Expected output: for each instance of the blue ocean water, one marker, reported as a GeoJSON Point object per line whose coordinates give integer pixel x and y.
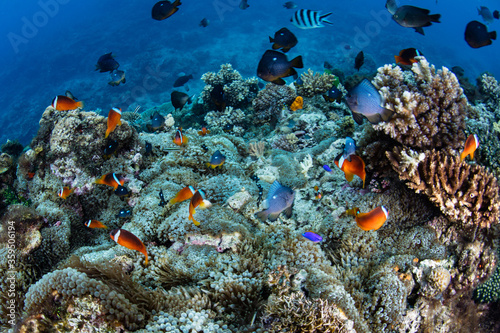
{"type": "Point", "coordinates": [49, 46]}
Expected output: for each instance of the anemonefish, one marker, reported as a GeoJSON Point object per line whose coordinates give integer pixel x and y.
{"type": "Point", "coordinates": [63, 103]}
{"type": "Point", "coordinates": [356, 166]}
{"type": "Point", "coordinates": [297, 104]}
{"type": "Point", "coordinates": [317, 193]}
{"type": "Point", "coordinates": [470, 147]}
{"type": "Point", "coordinates": [114, 119]}
{"type": "Point", "coordinates": [217, 160]}
{"type": "Point", "coordinates": [94, 224]}
{"type": "Point", "coordinates": [204, 131]}
{"type": "Point", "coordinates": [353, 211]}
{"type": "Point", "coordinates": [64, 192]}
{"type": "Point", "coordinates": [31, 175]}
{"type": "Point", "coordinates": [407, 56]}
{"type": "Point", "coordinates": [372, 220]}
{"type": "Point", "coordinates": [179, 138]}
{"type": "Point", "coordinates": [129, 240]}
{"type": "Point", "coordinates": [198, 199]}
{"type": "Point", "coordinates": [111, 179]}
{"type": "Point", "coordinates": [185, 194]}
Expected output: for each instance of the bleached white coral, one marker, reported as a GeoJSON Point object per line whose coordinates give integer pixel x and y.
{"type": "Point", "coordinates": [306, 164]}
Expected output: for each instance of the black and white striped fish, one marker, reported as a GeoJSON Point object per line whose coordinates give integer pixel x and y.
{"type": "Point", "coordinates": [309, 19]}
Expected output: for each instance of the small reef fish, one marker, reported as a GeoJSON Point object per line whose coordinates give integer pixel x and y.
{"type": "Point", "coordinates": [94, 224]}
{"type": "Point", "coordinates": [179, 138]}
{"type": "Point", "coordinates": [364, 102]}
{"type": "Point", "coordinates": [359, 60]}
{"type": "Point", "coordinates": [352, 211]}
{"type": "Point", "coordinates": [65, 192]}
{"type": "Point", "coordinates": [204, 131]}
{"type": "Point", "coordinates": [415, 17]}
{"type": "Point", "coordinates": [485, 13]}
{"type": "Point", "coordinates": [185, 194]}
{"type": "Point", "coordinates": [217, 97]}
{"type": "Point", "coordinates": [111, 179]}
{"type": "Point", "coordinates": [106, 63]}
{"type": "Point", "coordinates": [309, 19]}
{"type": "Point", "coordinates": [197, 200]}
{"type": "Point", "coordinates": [356, 166]}
{"type": "Point", "coordinates": [164, 9]}
{"type": "Point", "coordinates": [114, 119]}
{"type": "Point", "coordinates": [157, 121]}
{"type": "Point", "coordinates": [179, 99]}
{"type": "Point", "coordinates": [204, 22]}
{"type": "Point", "coordinates": [407, 56]}
{"type": "Point", "coordinates": [122, 192]}
{"type": "Point", "coordinates": [297, 104]}
{"type": "Point", "coordinates": [317, 193]}
{"type": "Point", "coordinates": [244, 4]}
{"type": "Point", "coordinates": [274, 65]}
{"type": "Point", "coordinates": [471, 144]}
{"type": "Point", "coordinates": [477, 35]}
{"type": "Point", "coordinates": [290, 5]}
{"type": "Point", "coordinates": [182, 80]}
{"type": "Point", "coordinates": [148, 148]}
{"type": "Point", "coordinates": [217, 160]}
{"type": "Point", "coordinates": [129, 240]}
{"type": "Point", "coordinates": [333, 95]}
{"type": "Point", "coordinates": [372, 220]}
{"type": "Point", "coordinates": [117, 77]}
{"type": "Point", "coordinates": [496, 14]}
{"type": "Point", "coordinates": [283, 39]}
{"type": "Point", "coordinates": [124, 213]}
{"type": "Point", "coordinates": [349, 148]}
{"type": "Point", "coordinates": [312, 236]}
{"type": "Point", "coordinates": [228, 128]}
{"type": "Point", "coordinates": [459, 71]}
{"type": "Point", "coordinates": [162, 199]}
{"type": "Point", "coordinates": [63, 103]}
{"type": "Point", "coordinates": [70, 95]}
{"type": "Point", "coordinates": [279, 199]}
{"type": "Point", "coordinates": [327, 168]}
{"type": "Point", "coordinates": [110, 148]}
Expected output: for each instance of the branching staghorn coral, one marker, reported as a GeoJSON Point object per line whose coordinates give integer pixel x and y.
{"type": "Point", "coordinates": [430, 106]}
{"type": "Point", "coordinates": [314, 83]}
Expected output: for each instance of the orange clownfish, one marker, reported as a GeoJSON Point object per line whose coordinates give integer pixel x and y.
{"type": "Point", "coordinates": [185, 194]}
{"type": "Point", "coordinates": [114, 119]}
{"type": "Point", "coordinates": [297, 104]}
{"type": "Point", "coordinates": [356, 166]}
{"type": "Point", "coordinates": [64, 192]}
{"type": "Point", "coordinates": [470, 147]}
{"type": "Point", "coordinates": [204, 131]}
{"type": "Point", "coordinates": [179, 138]}
{"type": "Point", "coordinates": [63, 103]}
{"type": "Point", "coordinates": [111, 179]}
{"type": "Point", "coordinates": [198, 199]}
{"type": "Point", "coordinates": [129, 240]}
{"type": "Point", "coordinates": [94, 224]}
{"type": "Point", "coordinates": [317, 193]}
{"type": "Point", "coordinates": [407, 56]}
{"type": "Point", "coordinates": [372, 220]}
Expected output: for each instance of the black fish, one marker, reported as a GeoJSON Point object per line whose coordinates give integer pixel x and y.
{"type": "Point", "coordinates": [459, 71]}
{"type": "Point", "coordinates": [407, 56]}
{"type": "Point", "coordinates": [162, 199]}
{"type": "Point", "coordinates": [117, 77]}
{"type": "Point", "coordinates": [182, 80]}
{"type": "Point", "coordinates": [359, 61]}
{"type": "Point", "coordinates": [327, 65]}
{"type": "Point", "coordinates": [283, 39]}
{"type": "Point", "coordinates": [164, 9]}
{"type": "Point", "coordinates": [477, 35]}
{"type": "Point", "coordinates": [106, 63]}
{"type": "Point", "coordinates": [110, 148]}
{"type": "Point", "coordinates": [496, 14]}
{"type": "Point", "coordinates": [333, 94]}
{"type": "Point", "coordinates": [179, 99]}
{"type": "Point", "coordinates": [290, 5]}
{"type": "Point", "coordinates": [217, 97]}
{"type": "Point", "coordinates": [122, 192]}
{"type": "Point", "coordinates": [228, 128]}
{"type": "Point", "coordinates": [124, 213]}
{"type": "Point", "coordinates": [244, 4]}
{"type": "Point", "coordinates": [148, 148]}
{"type": "Point", "coordinates": [157, 121]}
{"type": "Point", "coordinates": [204, 23]}
{"type": "Point", "coordinates": [274, 65]}
{"type": "Point", "coordinates": [415, 17]}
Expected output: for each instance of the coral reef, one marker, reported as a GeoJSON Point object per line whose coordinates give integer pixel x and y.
{"type": "Point", "coordinates": [315, 83]}
{"type": "Point", "coordinates": [271, 103]}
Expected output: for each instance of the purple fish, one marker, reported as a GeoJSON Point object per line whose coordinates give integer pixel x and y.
{"type": "Point", "coordinates": [313, 237]}
{"type": "Point", "coordinates": [279, 199]}
{"type": "Point", "coordinates": [327, 168]}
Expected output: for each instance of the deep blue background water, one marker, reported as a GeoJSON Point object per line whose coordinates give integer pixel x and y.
{"type": "Point", "coordinates": [68, 36]}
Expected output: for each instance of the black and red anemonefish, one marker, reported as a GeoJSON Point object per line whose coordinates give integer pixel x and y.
{"type": "Point", "coordinates": [470, 147]}
{"type": "Point", "coordinates": [94, 224]}
{"type": "Point", "coordinates": [204, 131]}
{"type": "Point", "coordinates": [317, 193]}
{"type": "Point", "coordinates": [65, 192]}
{"type": "Point", "coordinates": [356, 166]}
{"type": "Point", "coordinates": [198, 199]}
{"type": "Point", "coordinates": [111, 179]}
{"type": "Point", "coordinates": [114, 119]}
{"type": "Point", "coordinates": [372, 220]}
{"type": "Point", "coordinates": [129, 240]}
{"type": "Point", "coordinates": [63, 103]}
{"type": "Point", "coordinates": [179, 138]}
{"type": "Point", "coordinates": [185, 194]}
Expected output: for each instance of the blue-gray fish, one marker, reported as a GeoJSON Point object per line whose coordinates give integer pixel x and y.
{"type": "Point", "coordinates": [485, 13]}
{"type": "Point", "coordinates": [157, 121]}
{"type": "Point", "coordinates": [364, 101]}
{"type": "Point", "coordinates": [309, 19]}
{"type": "Point", "coordinates": [349, 148]}
{"type": "Point", "coordinates": [279, 199]}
